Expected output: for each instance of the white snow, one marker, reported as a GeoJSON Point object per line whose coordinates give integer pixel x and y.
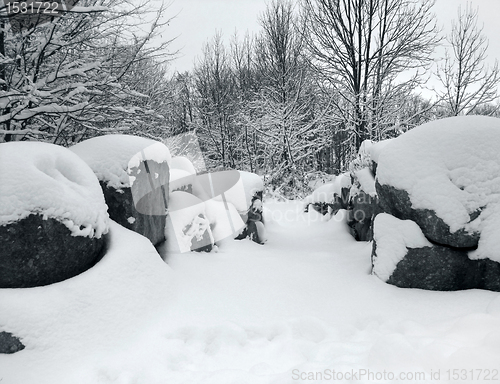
{"type": "Point", "coordinates": [226, 221]}
{"type": "Point", "coordinates": [109, 156]}
{"type": "Point", "coordinates": [451, 166]}
{"type": "Point", "coordinates": [180, 178]}
{"type": "Point", "coordinates": [323, 194]}
{"type": "Point", "coordinates": [68, 327]}
{"type": "Point", "coordinates": [377, 148]}
{"type": "Point", "coordinates": [182, 162]}
{"type": "Point", "coordinates": [304, 302]}
{"type": "Point", "coordinates": [45, 179]}
{"type": "Point", "coordinates": [393, 237]}
{"type": "Point", "coordinates": [366, 181]}
{"type": "Point", "coordinates": [184, 210]}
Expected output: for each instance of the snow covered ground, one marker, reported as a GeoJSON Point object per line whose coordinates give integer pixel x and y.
{"type": "Point", "coordinates": [291, 311]}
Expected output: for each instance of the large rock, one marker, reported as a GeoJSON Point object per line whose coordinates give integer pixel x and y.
{"type": "Point", "coordinates": [37, 251]}
{"type": "Point", "coordinates": [53, 217]}
{"type": "Point", "coordinates": [397, 203]}
{"type": "Point", "coordinates": [403, 257]}
{"type": "Point", "coordinates": [445, 176]}
{"type": "Point", "coordinates": [435, 268]}
{"type": "Point", "coordinates": [134, 176]}
{"type": "Point", "coordinates": [122, 209]}
{"type": "Point", "coordinates": [362, 210]}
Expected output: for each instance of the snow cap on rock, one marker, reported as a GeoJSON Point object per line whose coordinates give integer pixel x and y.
{"type": "Point", "coordinates": [49, 180]}
{"type": "Point", "coordinates": [109, 156]}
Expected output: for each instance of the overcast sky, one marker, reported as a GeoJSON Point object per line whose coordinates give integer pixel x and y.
{"type": "Point", "coordinates": [197, 21]}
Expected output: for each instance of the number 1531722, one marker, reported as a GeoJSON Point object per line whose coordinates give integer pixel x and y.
{"type": "Point", "coordinates": [32, 7]}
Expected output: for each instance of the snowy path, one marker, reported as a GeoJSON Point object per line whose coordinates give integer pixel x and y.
{"type": "Point", "coordinates": [305, 302]}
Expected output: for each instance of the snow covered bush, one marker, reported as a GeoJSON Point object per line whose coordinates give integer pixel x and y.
{"type": "Point", "coordinates": [52, 215]}
{"type": "Point", "coordinates": [445, 176]}
{"type": "Point", "coordinates": [331, 196]}
{"type": "Point", "coordinates": [134, 175]}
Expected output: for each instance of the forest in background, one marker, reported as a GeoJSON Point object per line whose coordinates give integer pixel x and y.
{"type": "Point", "coordinates": [291, 103]}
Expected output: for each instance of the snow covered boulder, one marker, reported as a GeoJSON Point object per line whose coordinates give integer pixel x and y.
{"type": "Point", "coordinates": [403, 257]}
{"type": "Point", "coordinates": [445, 176]}
{"type": "Point", "coordinates": [251, 212]}
{"type": "Point", "coordinates": [182, 174]}
{"type": "Point", "coordinates": [243, 190]}
{"type": "Point", "coordinates": [53, 216]}
{"type": "Point", "coordinates": [134, 175]}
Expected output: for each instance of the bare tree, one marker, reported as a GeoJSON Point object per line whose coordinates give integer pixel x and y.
{"type": "Point", "coordinates": [361, 47]}
{"type": "Point", "coordinates": [66, 79]}
{"type": "Point", "coordinates": [468, 83]}
{"type": "Point", "coordinates": [214, 83]}
{"type": "Point", "coordinates": [286, 98]}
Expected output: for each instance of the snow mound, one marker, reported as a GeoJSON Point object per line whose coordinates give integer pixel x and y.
{"type": "Point", "coordinates": [49, 180]}
{"type": "Point", "coordinates": [452, 167]}
{"type": "Point", "coordinates": [180, 178]}
{"type": "Point", "coordinates": [100, 312]}
{"type": "Point", "coordinates": [109, 156]}
{"type": "Point", "coordinates": [181, 162]}
{"type": "Point", "coordinates": [393, 237]}
{"type": "Point", "coordinates": [326, 193]}
{"type": "Point", "coordinates": [224, 218]}
{"type": "Point", "coordinates": [366, 181]}
{"type": "Point", "coordinates": [322, 194]}
{"type": "Point", "coordinates": [377, 148]}
{"type": "Point", "coordinates": [238, 187]}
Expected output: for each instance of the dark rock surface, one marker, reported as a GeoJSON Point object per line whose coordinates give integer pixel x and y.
{"type": "Point", "coordinates": [38, 252]}
{"type": "Point", "coordinates": [9, 343]}
{"type": "Point", "coordinates": [121, 208]}
{"type": "Point", "coordinates": [362, 210]}
{"type": "Point", "coordinates": [141, 207]}
{"type": "Point", "coordinates": [436, 268]}
{"type": "Point", "coordinates": [441, 268]}
{"type": "Point", "coordinates": [397, 203]}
